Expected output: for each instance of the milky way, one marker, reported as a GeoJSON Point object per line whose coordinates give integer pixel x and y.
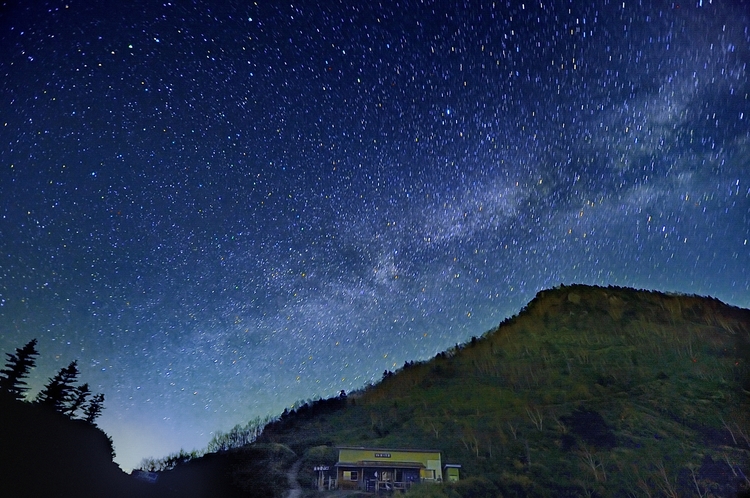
{"type": "Point", "coordinates": [220, 209]}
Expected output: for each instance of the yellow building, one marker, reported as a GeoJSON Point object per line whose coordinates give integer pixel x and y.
{"type": "Point", "coordinates": [450, 472]}
{"type": "Point", "coordinates": [375, 469]}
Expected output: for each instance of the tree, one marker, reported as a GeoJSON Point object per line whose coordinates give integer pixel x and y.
{"type": "Point", "coordinates": [238, 436]}
{"type": "Point", "coordinates": [169, 462]}
{"type": "Point", "coordinates": [78, 399]}
{"type": "Point", "coordinates": [94, 408]}
{"type": "Point", "coordinates": [59, 390]}
{"type": "Point", "coordinates": [17, 369]}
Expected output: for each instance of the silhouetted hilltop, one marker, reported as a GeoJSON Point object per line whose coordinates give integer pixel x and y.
{"type": "Point", "coordinates": [45, 453]}
{"type": "Point", "coordinates": [257, 470]}
{"type": "Point", "coordinates": [587, 391]}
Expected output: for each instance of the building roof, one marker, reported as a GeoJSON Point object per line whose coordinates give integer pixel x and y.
{"type": "Point", "coordinates": [370, 448]}
{"type": "Point", "coordinates": [382, 464]}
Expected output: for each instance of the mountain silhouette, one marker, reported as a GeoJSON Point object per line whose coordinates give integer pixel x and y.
{"type": "Point", "coordinates": [587, 391]}
{"type": "Point", "coordinates": [46, 453]}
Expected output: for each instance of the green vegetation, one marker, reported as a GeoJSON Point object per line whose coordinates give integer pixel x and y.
{"type": "Point", "coordinates": [588, 391]}
{"type": "Point", "coordinates": [238, 436]}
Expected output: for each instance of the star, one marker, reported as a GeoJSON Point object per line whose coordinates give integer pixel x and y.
{"type": "Point", "coordinates": [222, 210]}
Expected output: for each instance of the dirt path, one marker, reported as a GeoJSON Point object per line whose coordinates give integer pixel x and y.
{"type": "Point", "coordinates": [295, 490]}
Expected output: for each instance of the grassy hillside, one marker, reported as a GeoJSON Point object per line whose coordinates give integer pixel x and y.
{"type": "Point", "coordinates": [587, 391]}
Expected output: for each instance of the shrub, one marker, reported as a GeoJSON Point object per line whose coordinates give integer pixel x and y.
{"type": "Point", "coordinates": [475, 486]}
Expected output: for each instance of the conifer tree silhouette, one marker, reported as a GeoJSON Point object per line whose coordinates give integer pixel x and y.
{"type": "Point", "coordinates": [59, 390]}
{"type": "Point", "coordinates": [78, 399]}
{"type": "Point", "coordinates": [94, 408]}
{"type": "Point", "coordinates": [17, 369]}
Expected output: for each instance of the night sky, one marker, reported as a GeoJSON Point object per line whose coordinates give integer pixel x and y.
{"type": "Point", "coordinates": [221, 208]}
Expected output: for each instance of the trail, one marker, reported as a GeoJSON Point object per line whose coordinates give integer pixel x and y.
{"type": "Point", "coordinates": [295, 490]}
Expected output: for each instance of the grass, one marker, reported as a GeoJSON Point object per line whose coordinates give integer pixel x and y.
{"type": "Point", "coordinates": [588, 391]}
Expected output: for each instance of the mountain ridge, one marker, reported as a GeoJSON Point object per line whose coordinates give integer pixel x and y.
{"type": "Point", "coordinates": [586, 391]}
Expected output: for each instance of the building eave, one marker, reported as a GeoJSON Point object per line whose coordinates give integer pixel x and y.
{"type": "Point", "coordinates": [370, 448]}
{"type": "Point", "coordinates": [382, 464]}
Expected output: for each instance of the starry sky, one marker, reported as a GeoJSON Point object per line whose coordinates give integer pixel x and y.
{"type": "Point", "coordinates": [221, 208]}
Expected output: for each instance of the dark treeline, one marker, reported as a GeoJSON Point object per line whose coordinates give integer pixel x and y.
{"type": "Point", "coordinates": [60, 394]}
{"type": "Point", "coordinates": [50, 444]}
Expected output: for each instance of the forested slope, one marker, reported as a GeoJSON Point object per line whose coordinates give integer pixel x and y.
{"type": "Point", "coordinates": [588, 390]}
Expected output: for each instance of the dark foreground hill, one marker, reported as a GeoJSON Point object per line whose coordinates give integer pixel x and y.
{"type": "Point", "coordinates": [44, 453]}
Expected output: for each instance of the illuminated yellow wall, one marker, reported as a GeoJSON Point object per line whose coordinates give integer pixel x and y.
{"type": "Point", "coordinates": [451, 474]}
{"type": "Point", "coordinates": [429, 458]}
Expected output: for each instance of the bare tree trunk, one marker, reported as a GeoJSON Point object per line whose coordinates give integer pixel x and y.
{"type": "Point", "coordinates": [536, 417]}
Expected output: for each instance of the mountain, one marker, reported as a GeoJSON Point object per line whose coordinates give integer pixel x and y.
{"type": "Point", "coordinates": [587, 391]}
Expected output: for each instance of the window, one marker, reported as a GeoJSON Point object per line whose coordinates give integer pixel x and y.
{"type": "Point", "coordinates": [350, 475]}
